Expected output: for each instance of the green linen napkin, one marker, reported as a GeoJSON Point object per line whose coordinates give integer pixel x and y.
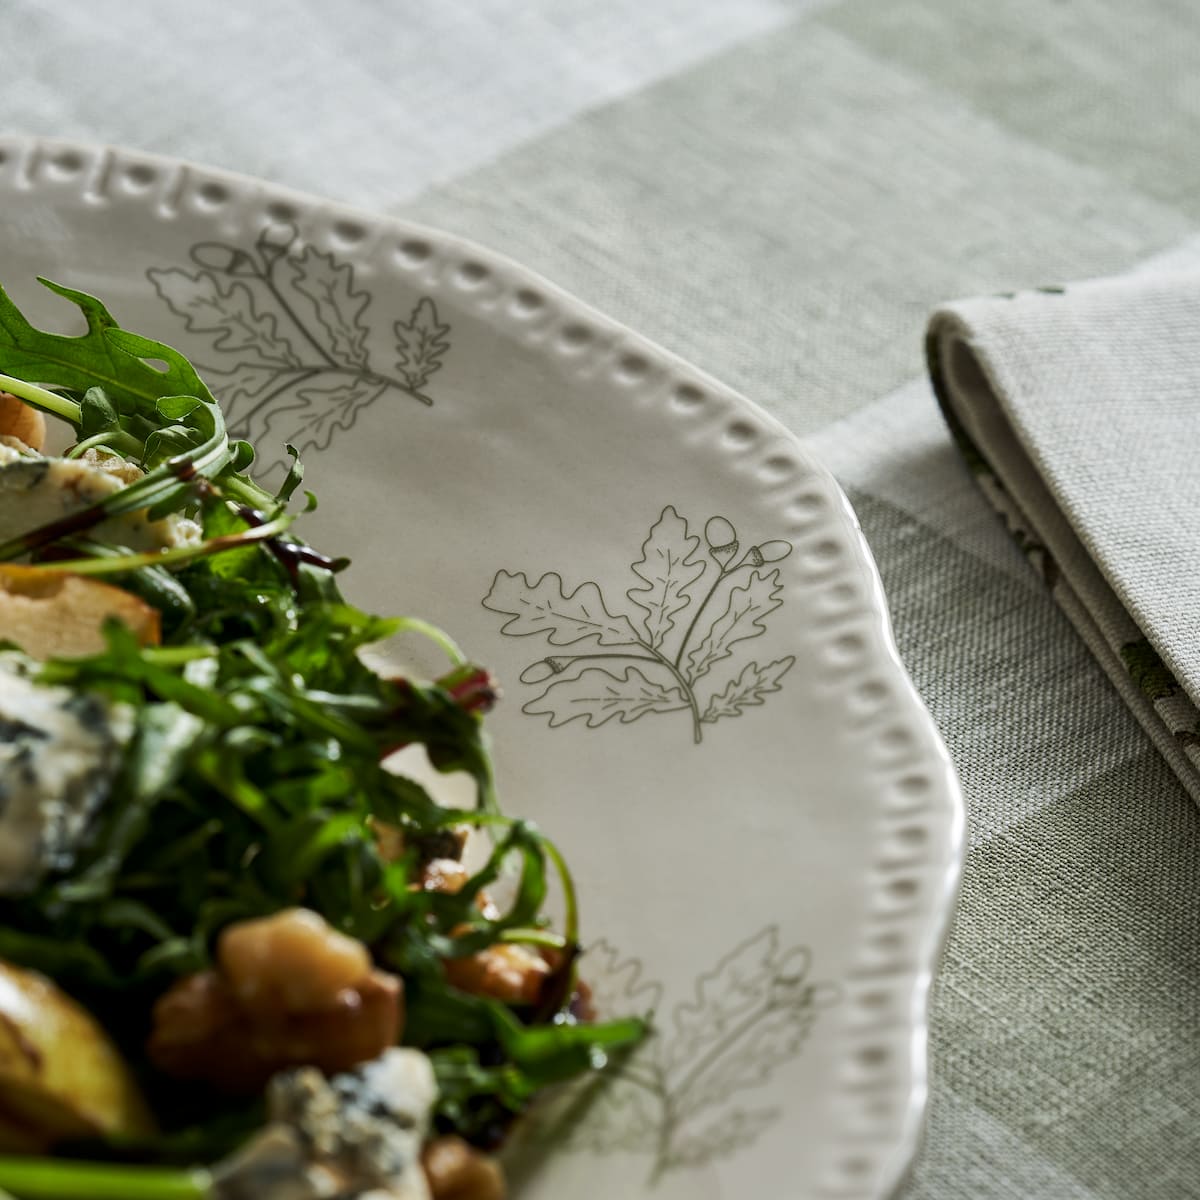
{"type": "Point", "coordinates": [1078, 412]}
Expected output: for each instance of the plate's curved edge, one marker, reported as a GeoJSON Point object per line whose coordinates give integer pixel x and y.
{"type": "Point", "coordinates": [897, 1169]}
{"type": "Point", "coordinates": [98, 173]}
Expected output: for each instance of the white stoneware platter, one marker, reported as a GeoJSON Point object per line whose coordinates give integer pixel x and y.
{"type": "Point", "coordinates": [702, 703]}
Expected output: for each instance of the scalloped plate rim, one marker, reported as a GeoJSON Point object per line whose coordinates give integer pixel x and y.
{"type": "Point", "coordinates": [933, 924]}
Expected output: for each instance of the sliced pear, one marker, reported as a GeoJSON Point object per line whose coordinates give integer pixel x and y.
{"type": "Point", "coordinates": [52, 614]}
{"type": "Point", "coordinates": [60, 1074]}
{"type": "Point", "coordinates": [20, 421]}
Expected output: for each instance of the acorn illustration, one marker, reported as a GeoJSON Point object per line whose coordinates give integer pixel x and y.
{"type": "Point", "coordinates": [227, 260]}
{"type": "Point", "coordinates": [542, 670]}
{"type": "Point", "coordinates": [274, 243]}
{"type": "Point", "coordinates": [722, 540]}
{"type": "Point", "coordinates": [769, 552]}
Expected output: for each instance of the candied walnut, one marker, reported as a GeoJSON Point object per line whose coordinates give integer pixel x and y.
{"type": "Point", "coordinates": [448, 876]}
{"type": "Point", "coordinates": [508, 972]}
{"type": "Point", "coordinates": [292, 961]}
{"type": "Point", "coordinates": [279, 999]}
{"type": "Point", "coordinates": [202, 1032]}
{"type": "Point", "coordinates": [457, 1171]}
{"type": "Point", "coordinates": [443, 875]}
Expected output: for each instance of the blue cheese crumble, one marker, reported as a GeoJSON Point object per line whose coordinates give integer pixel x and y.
{"type": "Point", "coordinates": [356, 1136]}
{"type": "Point", "coordinates": [35, 491]}
{"type": "Point", "coordinates": [59, 752]}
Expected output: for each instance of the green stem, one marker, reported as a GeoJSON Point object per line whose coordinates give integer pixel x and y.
{"type": "Point", "coordinates": [570, 897]}
{"type": "Point", "coordinates": [487, 801]}
{"type": "Point", "coordinates": [42, 398]}
{"type": "Point", "coordinates": [64, 1179]}
{"type": "Point", "coordinates": [535, 937]}
{"type": "Point", "coordinates": [248, 492]}
{"type": "Point", "coordinates": [166, 558]}
{"type": "Point", "coordinates": [443, 641]}
{"type": "Point", "coordinates": [174, 656]}
{"type": "Point", "coordinates": [122, 444]}
{"type": "Point", "coordinates": [163, 483]}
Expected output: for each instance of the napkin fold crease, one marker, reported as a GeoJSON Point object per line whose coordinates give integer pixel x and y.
{"type": "Point", "coordinates": [1077, 410]}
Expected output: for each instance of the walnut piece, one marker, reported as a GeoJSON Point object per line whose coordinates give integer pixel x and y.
{"type": "Point", "coordinates": [291, 961]}
{"type": "Point", "coordinates": [457, 1171]}
{"type": "Point", "coordinates": [279, 998]}
{"type": "Point", "coordinates": [508, 972]}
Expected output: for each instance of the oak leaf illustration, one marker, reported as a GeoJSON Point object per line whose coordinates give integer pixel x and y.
{"type": "Point", "coordinates": [318, 412]}
{"type": "Point", "coordinates": [741, 619]}
{"type": "Point", "coordinates": [674, 1098]}
{"type": "Point", "coordinates": [328, 289]}
{"type": "Point", "coordinates": [775, 1039]}
{"type": "Point", "coordinates": [619, 985]}
{"type": "Point", "coordinates": [228, 318]}
{"type": "Point", "coordinates": [602, 1117]}
{"type": "Point", "coordinates": [735, 987]}
{"type": "Point", "coordinates": [751, 687]}
{"type": "Point", "coordinates": [723, 1136]}
{"type": "Point", "coordinates": [597, 696]}
{"type": "Point", "coordinates": [545, 607]}
{"type": "Point", "coordinates": [422, 343]}
{"type": "Point", "coordinates": [669, 566]}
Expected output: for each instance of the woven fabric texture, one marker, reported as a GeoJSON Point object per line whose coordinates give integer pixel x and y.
{"type": "Point", "coordinates": [783, 192]}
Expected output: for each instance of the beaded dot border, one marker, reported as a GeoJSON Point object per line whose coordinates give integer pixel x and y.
{"type": "Point", "coordinates": [880, 1087]}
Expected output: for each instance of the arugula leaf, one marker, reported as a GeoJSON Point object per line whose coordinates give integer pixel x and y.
{"type": "Point", "coordinates": [254, 777]}
{"type": "Point", "coordinates": [105, 355]}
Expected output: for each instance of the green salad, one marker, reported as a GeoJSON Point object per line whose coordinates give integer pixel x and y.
{"type": "Point", "coordinates": [239, 956]}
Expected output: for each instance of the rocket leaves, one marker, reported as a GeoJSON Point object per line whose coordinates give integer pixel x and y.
{"type": "Point", "coordinates": [691, 610]}
{"type": "Point", "coordinates": [252, 779]}
{"type": "Point", "coordinates": [105, 356]}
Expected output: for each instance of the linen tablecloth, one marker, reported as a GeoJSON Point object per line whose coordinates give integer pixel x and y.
{"type": "Point", "coordinates": [782, 192]}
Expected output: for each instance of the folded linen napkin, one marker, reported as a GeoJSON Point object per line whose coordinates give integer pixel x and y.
{"type": "Point", "coordinates": [1078, 412]}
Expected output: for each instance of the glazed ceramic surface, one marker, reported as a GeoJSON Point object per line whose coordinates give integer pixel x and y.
{"type": "Point", "coordinates": [703, 705]}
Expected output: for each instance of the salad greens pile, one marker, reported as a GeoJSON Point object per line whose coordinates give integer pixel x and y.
{"type": "Point", "coordinates": [254, 778]}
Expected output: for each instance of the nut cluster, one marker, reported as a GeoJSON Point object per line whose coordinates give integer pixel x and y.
{"type": "Point", "coordinates": [287, 990]}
